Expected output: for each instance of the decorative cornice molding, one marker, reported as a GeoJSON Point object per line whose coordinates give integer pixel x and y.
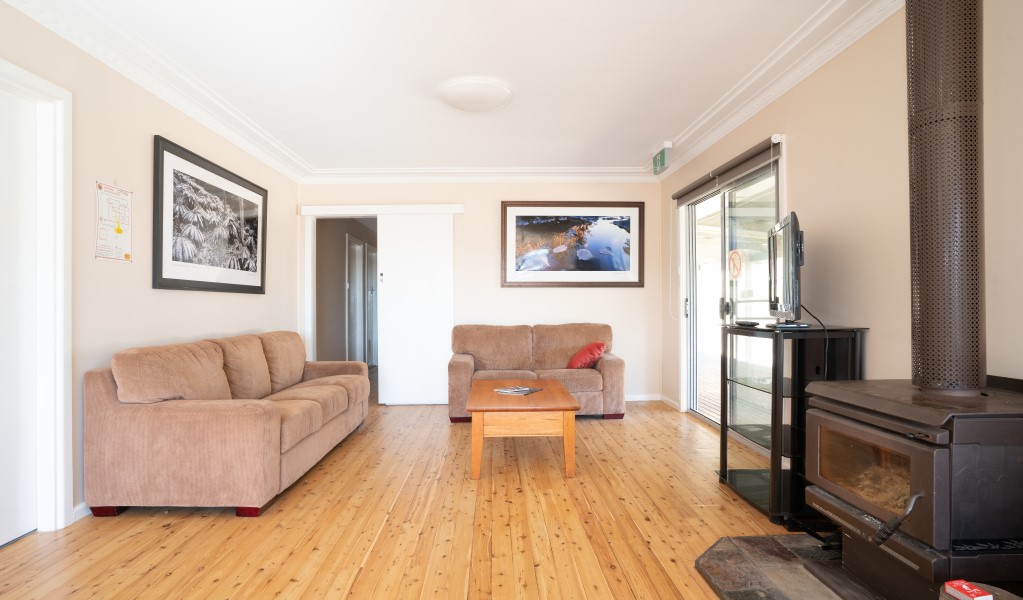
{"type": "Point", "coordinates": [130, 55]}
{"type": "Point", "coordinates": [476, 175]}
{"type": "Point", "coordinates": [732, 110]}
{"type": "Point", "coordinates": [832, 29]}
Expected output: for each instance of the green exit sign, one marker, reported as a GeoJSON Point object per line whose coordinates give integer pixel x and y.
{"type": "Point", "coordinates": [660, 160]}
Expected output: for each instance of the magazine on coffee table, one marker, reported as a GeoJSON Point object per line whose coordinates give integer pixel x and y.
{"type": "Point", "coordinates": [517, 390]}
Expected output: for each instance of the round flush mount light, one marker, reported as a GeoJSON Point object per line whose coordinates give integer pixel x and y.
{"type": "Point", "coordinates": [476, 94]}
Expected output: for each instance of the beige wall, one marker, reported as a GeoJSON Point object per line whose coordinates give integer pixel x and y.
{"type": "Point", "coordinates": [331, 274]}
{"type": "Point", "coordinates": [479, 298]}
{"type": "Point", "coordinates": [846, 175]}
{"type": "Point", "coordinates": [114, 305]}
{"type": "Point", "coordinates": [1003, 201]}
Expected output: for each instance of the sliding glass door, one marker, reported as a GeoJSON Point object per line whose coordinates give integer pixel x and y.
{"type": "Point", "coordinates": [725, 238]}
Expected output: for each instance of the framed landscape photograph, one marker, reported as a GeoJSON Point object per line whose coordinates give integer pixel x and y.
{"type": "Point", "coordinates": [209, 225]}
{"type": "Point", "coordinates": [571, 244]}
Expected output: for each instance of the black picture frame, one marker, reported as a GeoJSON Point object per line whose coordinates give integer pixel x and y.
{"type": "Point", "coordinates": [563, 244]}
{"type": "Point", "coordinates": [209, 225]}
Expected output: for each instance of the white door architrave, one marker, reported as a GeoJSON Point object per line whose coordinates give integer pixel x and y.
{"type": "Point", "coordinates": [52, 249]}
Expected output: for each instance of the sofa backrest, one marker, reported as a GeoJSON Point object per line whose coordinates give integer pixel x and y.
{"type": "Point", "coordinates": [285, 358]}
{"type": "Point", "coordinates": [555, 345]}
{"type": "Point", "coordinates": [495, 347]}
{"type": "Point", "coordinates": [192, 371]}
{"type": "Point", "coordinates": [245, 366]}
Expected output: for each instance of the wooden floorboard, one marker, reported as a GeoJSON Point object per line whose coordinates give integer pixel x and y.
{"type": "Point", "coordinates": [392, 513]}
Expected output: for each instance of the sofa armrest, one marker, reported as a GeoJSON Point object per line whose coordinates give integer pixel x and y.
{"type": "Point", "coordinates": [460, 370]}
{"type": "Point", "coordinates": [178, 452]}
{"type": "Point", "coordinates": [612, 369]}
{"type": "Point", "coordinates": [314, 369]}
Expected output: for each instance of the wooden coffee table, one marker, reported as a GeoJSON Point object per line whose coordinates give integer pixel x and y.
{"type": "Point", "coordinates": [549, 412]}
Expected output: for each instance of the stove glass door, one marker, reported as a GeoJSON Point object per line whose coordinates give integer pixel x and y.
{"type": "Point", "coordinates": [878, 471]}
{"type": "Point", "coordinates": [877, 474]}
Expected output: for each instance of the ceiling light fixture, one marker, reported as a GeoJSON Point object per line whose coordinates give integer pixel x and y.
{"type": "Point", "coordinates": [475, 93]}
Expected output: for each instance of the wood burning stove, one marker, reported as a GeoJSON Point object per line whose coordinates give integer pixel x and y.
{"type": "Point", "coordinates": [925, 477]}
{"type": "Point", "coordinates": [925, 487]}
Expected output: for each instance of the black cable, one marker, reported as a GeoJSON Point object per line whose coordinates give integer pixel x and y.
{"type": "Point", "coordinates": [827, 339]}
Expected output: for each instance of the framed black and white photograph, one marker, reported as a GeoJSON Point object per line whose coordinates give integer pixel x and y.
{"type": "Point", "coordinates": [571, 244]}
{"type": "Point", "coordinates": [209, 225]}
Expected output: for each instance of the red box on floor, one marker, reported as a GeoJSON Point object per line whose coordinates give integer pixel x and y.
{"type": "Point", "coordinates": [965, 591]}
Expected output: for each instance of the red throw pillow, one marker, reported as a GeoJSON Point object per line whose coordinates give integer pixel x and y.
{"type": "Point", "coordinates": [588, 356]}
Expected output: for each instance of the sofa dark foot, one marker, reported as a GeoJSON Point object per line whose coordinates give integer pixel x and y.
{"type": "Point", "coordinates": [460, 419]}
{"type": "Point", "coordinates": [107, 511]}
{"type": "Point", "coordinates": [252, 511]}
{"type": "Point", "coordinates": [615, 416]}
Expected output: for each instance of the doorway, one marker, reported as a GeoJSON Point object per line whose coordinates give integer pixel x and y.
{"type": "Point", "coordinates": [344, 278]}
{"type": "Point", "coordinates": [35, 435]}
{"type": "Point", "coordinates": [412, 294]}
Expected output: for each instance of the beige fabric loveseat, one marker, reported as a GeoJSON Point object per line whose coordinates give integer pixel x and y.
{"type": "Point", "coordinates": [221, 422]}
{"type": "Point", "coordinates": [536, 352]}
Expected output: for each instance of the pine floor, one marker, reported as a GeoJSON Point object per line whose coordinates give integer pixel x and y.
{"type": "Point", "coordinates": [391, 513]}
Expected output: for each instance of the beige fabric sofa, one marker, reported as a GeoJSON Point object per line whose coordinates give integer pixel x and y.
{"type": "Point", "coordinates": [536, 352]}
{"type": "Point", "coordinates": [221, 422]}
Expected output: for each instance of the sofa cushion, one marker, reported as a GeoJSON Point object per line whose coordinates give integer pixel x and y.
{"type": "Point", "coordinates": [285, 357]}
{"type": "Point", "coordinates": [356, 385]}
{"type": "Point", "coordinates": [245, 366]}
{"type": "Point", "coordinates": [587, 357]}
{"type": "Point", "coordinates": [333, 399]}
{"type": "Point", "coordinates": [505, 374]}
{"type": "Point", "coordinates": [555, 345]}
{"type": "Point", "coordinates": [575, 380]}
{"type": "Point", "coordinates": [299, 418]}
{"type": "Point", "coordinates": [495, 346]}
{"type": "Point", "coordinates": [192, 371]}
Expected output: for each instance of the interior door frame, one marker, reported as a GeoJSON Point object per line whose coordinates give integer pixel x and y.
{"type": "Point", "coordinates": [309, 213]}
{"type": "Point", "coordinates": [54, 481]}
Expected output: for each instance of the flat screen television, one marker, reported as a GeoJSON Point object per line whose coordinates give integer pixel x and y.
{"type": "Point", "coordinates": [784, 257]}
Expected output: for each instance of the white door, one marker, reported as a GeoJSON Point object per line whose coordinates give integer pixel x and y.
{"type": "Point", "coordinates": [355, 298]}
{"type": "Point", "coordinates": [18, 399]}
{"type": "Point", "coordinates": [416, 306]}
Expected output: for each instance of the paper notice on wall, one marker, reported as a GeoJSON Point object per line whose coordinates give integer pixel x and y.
{"type": "Point", "coordinates": [113, 223]}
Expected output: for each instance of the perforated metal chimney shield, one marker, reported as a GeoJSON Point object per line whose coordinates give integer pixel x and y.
{"type": "Point", "coordinates": [946, 229]}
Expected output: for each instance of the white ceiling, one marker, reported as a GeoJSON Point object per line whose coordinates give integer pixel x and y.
{"type": "Point", "coordinates": [344, 90]}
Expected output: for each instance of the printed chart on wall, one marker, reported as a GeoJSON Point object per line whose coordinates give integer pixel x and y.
{"type": "Point", "coordinates": [113, 223]}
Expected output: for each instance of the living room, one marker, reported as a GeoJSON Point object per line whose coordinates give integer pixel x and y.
{"type": "Point", "coordinates": [845, 173]}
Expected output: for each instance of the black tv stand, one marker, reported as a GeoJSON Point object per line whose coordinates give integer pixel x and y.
{"type": "Point", "coordinates": [788, 325]}
{"type": "Point", "coordinates": [764, 373]}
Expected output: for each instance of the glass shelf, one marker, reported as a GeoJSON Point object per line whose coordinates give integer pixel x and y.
{"type": "Point", "coordinates": [749, 414]}
{"type": "Point", "coordinates": [763, 438]}
{"type": "Point", "coordinates": [752, 484]}
{"type": "Point", "coordinates": [758, 434]}
{"type": "Point", "coordinates": [763, 384]}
